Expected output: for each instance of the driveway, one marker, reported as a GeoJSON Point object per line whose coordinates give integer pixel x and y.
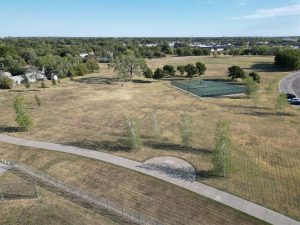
{"type": "Point", "coordinates": [290, 84]}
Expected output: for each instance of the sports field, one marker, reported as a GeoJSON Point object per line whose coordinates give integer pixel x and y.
{"type": "Point", "coordinates": [209, 88]}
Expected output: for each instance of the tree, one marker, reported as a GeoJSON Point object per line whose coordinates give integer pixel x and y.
{"type": "Point", "coordinates": [158, 74]}
{"type": "Point", "coordinates": [127, 65]}
{"type": "Point", "coordinates": [201, 68]}
{"type": "Point", "coordinates": [79, 69]}
{"type": "Point", "coordinates": [288, 59]}
{"type": "Point", "coordinates": [255, 77]}
{"type": "Point", "coordinates": [221, 155]}
{"type": "Point", "coordinates": [148, 73]}
{"type": "Point", "coordinates": [181, 70]}
{"type": "Point", "coordinates": [133, 136]}
{"type": "Point", "coordinates": [169, 70]}
{"type": "Point", "coordinates": [92, 65]}
{"type": "Point", "coordinates": [190, 70]}
{"type": "Point", "coordinates": [281, 102]}
{"type": "Point", "coordinates": [185, 129]}
{"type": "Point", "coordinates": [22, 117]}
{"type": "Point", "coordinates": [235, 72]}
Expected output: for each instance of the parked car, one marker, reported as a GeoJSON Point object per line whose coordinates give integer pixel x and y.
{"type": "Point", "coordinates": [294, 101]}
{"type": "Point", "coordinates": [290, 96]}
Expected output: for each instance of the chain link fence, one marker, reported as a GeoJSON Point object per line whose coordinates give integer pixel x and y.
{"type": "Point", "coordinates": [208, 88]}
{"type": "Point", "coordinates": [111, 206]}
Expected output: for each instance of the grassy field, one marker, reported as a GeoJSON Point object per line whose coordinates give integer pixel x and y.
{"type": "Point", "coordinates": [152, 197]}
{"type": "Point", "coordinates": [50, 209]}
{"type": "Point", "coordinates": [90, 113]}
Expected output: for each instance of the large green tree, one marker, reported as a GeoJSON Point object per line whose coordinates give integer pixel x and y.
{"type": "Point", "coordinates": [127, 65]}
{"type": "Point", "coordinates": [201, 68]}
{"type": "Point", "coordinates": [235, 72]}
{"type": "Point", "coordinates": [190, 70]}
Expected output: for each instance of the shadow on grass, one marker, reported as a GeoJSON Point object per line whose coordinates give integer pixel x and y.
{"type": "Point", "coordinates": [244, 107]}
{"type": "Point", "coordinates": [97, 80]}
{"type": "Point", "coordinates": [119, 145]}
{"type": "Point", "coordinates": [9, 129]}
{"type": "Point", "coordinates": [21, 91]}
{"type": "Point", "coordinates": [265, 67]}
{"type": "Point", "coordinates": [266, 114]}
{"type": "Point", "coordinates": [166, 146]}
{"type": "Point", "coordinates": [141, 81]}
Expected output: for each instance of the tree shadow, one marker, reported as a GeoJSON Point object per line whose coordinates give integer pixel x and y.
{"type": "Point", "coordinates": [265, 67]}
{"type": "Point", "coordinates": [266, 114]}
{"type": "Point", "coordinates": [141, 81]}
{"type": "Point", "coordinates": [187, 174]}
{"type": "Point", "coordinates": [9, 129]}
{"type": "Point", "coordinates": [97, 80]}
{"type": "Point", "coordinates": [120, 145]}
{"type": "Point", "coordinates": [166, 146]}
{"type": "Point", "coordinates": [244, 107]}
{"type": "Point", "coordinates": [21, 91]}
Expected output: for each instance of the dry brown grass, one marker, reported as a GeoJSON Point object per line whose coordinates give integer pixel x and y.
{"type": "Point", "coordinates": [50, 209]}
{"type": "Point", "coordinates": [150, 196]}
{"type": "Point", "coordinates": [265, 147]}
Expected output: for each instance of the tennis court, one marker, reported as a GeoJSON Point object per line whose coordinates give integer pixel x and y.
{"type": "Point", "coordinates": [209, 88]}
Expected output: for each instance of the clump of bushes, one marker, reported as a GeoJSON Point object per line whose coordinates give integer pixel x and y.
{"type": "Point", "coordinates": [38, 100]}
{"type": "Point", "coordinates": [6, 83]}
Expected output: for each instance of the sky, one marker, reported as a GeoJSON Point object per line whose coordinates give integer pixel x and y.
{"type": "Point", "coordinates": [149, 18]}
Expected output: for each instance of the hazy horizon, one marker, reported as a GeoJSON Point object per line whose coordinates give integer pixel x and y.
{"type": "Point", "coordinates": [150, 18]}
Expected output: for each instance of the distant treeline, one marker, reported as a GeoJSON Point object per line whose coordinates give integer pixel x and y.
{"type": "Point", "coordinates": [62, 55]}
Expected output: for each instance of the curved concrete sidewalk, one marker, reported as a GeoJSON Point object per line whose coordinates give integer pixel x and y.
{"type": "Point", "coordinates": [235, 202]}
{"type": "Point", "coordinates": [290, 84]}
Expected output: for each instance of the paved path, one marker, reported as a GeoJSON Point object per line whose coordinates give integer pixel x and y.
{"type": "Point", "coordinates": [3, 168]}
{"type": "Point", "coordinates": [245, 206]}
{"type": "Point", "coordinates": [290, 84]}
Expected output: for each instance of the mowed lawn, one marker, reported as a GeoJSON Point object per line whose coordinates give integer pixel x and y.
{"type": "Point", "coordinates": [90, 113]}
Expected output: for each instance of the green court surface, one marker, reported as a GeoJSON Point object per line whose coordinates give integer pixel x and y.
{"type": "Point", "coordinates": [209, 88]}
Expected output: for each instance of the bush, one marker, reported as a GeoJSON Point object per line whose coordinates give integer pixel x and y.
{"type": "Point", "coordinates": [185, 129]}
{"type": "Point", "coordinates": [156, 128]}
{"type": "Point", "coordinates": [43, 84]}
{"type": "Point", "coordinates": [6, 83]}
{"type": "Point", "coordinates": [201, 68]}
{"type": "Point", "coordinates": [38, 100]}
{"type": "Point", "coordinates": [281, 102]}
{"type": "Point", "coordinates": [148, 73]}
{"type": "Point", "coordinates": [221, 155]}
{"type": "Point", "coordinates": [54, 82]}
{"type": "Point", "coordinates": [255, 77]}
{"type": "Point", "coordinates": [23, 119]}
{"type": "Point", "coordinates": [251, 87]}
{"type": "Point", "coordinates": [169, 70]}
{"type": "Point", "coordinates": [133, 137]}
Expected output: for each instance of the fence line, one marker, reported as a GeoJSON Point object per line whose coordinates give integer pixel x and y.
{"type": "Point", "coordinates": [113, 207]}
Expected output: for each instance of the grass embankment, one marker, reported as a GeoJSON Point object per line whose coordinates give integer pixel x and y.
{"type": "Point", "coordinates": [90, 113]}
{"type": "Point", "coordinates": [152, 197]}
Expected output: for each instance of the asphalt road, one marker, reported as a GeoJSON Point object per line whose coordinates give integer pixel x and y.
{"type": "Point", "coordinates": [290, 84]}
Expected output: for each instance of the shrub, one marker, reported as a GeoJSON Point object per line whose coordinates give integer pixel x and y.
{"type": "Point", "coordinates": [148, 73]}
{"type": "Point", "coordinates": [251, 87]}
{"type": "Point", "coordinates": [133, 138]}
{"type": "Point", "coordinates": [169, 70]}
{"type": "Point", "coordinates": [54, 82]}
{"type": "Point", "coordinates": [281, 102]}
{"type": "Point", "coordinates": [156, 128]}
{"type": "Point", "coordinates": [27, 85]}
{"type": "Point", "coordinates": [221, 155]}
{"type": "Point", "coordinates": [255, 77]}
{"type": "Point", "coordinates": [6, 83]}
{"type": "Point", "coordinates": [23, 119]}
{"type": "Point", "coordinates": [201, 68]}
{"type": "Point", "coordinates": [43, 84]}
{"type": "Point", "coordinates": [38, 100]}
{"type": "Point", "coordinates": [185, 129]}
